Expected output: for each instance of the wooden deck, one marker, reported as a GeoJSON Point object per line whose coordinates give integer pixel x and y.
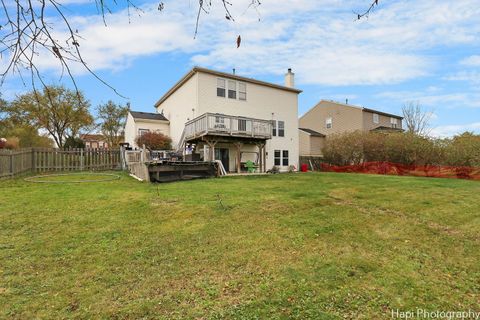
{"type": "Point", "coordinates": [221, 125]}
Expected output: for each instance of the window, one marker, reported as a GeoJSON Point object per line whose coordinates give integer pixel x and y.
{"type": "Point", "coordinates": [394, 122]}
{"type": "Point", "coordinates": [274, 128]}
{"type": "Point", "coordinates": [281, 128]}
{"type": "Point", "coordinates": [242, 91]}
{"type": "Point", "coordinates": [242, 125]}
{"type": "Point", "coordinates": [220, 87]}
{"type": "Point", "coordinates": [277, 157]}
{"type": "Point", "coordinates": [141, 132]}
{"type": "Point", "coordinates": [376, 118]}
{"type": "Point", "coordinates": [285, 157]}
{"type": "Point", "coordinates": [232, 89]}
{"type": "Point", "coordinates": [329, 123]}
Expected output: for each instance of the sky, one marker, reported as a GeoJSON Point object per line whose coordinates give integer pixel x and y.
{"type": "Point", "coordinates": [404, 51]}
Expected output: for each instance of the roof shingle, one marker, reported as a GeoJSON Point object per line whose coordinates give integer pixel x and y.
{"type": "Point", "coordinates": [148, 115]}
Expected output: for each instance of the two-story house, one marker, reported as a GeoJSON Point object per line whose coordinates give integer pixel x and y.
{"type": "Point", "coordinates": [329, 117]}
{"type": "Point", "coordinates": [215, 115]}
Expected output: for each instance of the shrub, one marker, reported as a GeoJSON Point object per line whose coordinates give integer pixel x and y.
{"type": "Point", "coordinates": [404, 148]}
{"type": "Point", "coordinates": [74, 143]}
{"type": "Point", "coordinates": [154, 141]}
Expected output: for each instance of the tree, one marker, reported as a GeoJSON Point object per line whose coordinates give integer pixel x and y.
{"type": "Point", "coordinates": [154, 141]}
{"type": "Point", "coordinates": [416, 118]}
{"type": "Point", "coordinates": [113, 118]}
{"type": "Point", "coordinates": [27, 32]}
{"type": "Point", "coordinates": [61, 112]}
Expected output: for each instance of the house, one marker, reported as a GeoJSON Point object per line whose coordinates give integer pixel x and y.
{"type": "Point", "coordinates": [222, 116]}
{"type": "Point", "coordinates": [329, 117]}
{"type": "Point", "coordinates": [311, 142]}
{"type": "Point", "coordinates": [139, 123]}
{"type": "Point", "coordinates": [94, 141]}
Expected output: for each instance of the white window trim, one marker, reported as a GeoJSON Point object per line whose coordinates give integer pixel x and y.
{"type": "Point", "coordinates": [394, 122]}
{"type": "Point", "coordinates": [376, 118]}
{"type": "Point", "coordinates": [329, 121]}
{"type": "Point", "coordinates": [237, 89]}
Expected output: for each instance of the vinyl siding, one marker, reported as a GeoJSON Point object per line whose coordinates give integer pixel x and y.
{"type": "Point", "coordinates": [383, 121]}
{"type": "Point", "coordinates": [262, 103]}
{"type": "Point", "coordinates": [344, 118]}
{"type": "Point", "coordinates": [181, 107]}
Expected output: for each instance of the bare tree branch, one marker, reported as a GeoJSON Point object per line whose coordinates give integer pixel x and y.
{"type": "Point", "coordinates": [417, 120]}
{"type": "Point", "coordinates": [27, 33]}
{"type": "Point", "coordinates": [368, 11]}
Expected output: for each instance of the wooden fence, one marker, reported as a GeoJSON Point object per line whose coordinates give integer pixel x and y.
{"type": "Point", "coordinates": [35, 160]}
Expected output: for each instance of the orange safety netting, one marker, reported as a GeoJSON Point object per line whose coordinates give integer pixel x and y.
{"type": "Point", "coordinates": [390, 168]}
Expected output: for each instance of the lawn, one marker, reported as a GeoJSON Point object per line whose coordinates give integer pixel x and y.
{"type": "Point", "coordinates": [301, 246]}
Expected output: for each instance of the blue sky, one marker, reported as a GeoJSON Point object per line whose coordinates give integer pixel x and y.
{"type": "Point", "coordinates": [426, 51]}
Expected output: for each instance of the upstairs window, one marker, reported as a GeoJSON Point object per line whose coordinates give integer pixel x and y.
{"type": "Point", "coordinates": [221, 88]}
{"type": "Point", "coordinates": [274, 128]}
{"type": "Point", "coordinates": [394, 122]}
{"type": "Point", "coordinates": [329, 123]}
{"type": "Point", "coordinates": [232, 89]}
{"type": "Point", "coordinates": [242, 91]}
{"type": "Point", "coordinates": [281, 128]}
{"type": "Point", "coordinates": [376, 118]}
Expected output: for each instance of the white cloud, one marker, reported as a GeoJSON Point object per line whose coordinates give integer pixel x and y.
{"type": "Point", "coordinates": [473, 61]}
{"type": "Point", "coordinates": [319, 39]}
{"type": "Point", "coordinates": [451, 130]}
{"type": "Point", "coordinates": [470, 76]}
{"type": "Point", "coordinates": [436, 101]}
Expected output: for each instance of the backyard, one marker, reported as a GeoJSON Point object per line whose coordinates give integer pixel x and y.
{"type": "Point", "coordinates": [306, 246]}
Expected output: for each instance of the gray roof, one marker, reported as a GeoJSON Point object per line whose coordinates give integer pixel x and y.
{"type": "Point", "coordinates": [148, 115]}
{"type": "Point", "coordinates": [384, 128]}
{"type": "Point", "coordinates": [312, 132]}
{"type": "Point", "coordinates": [382, 113]}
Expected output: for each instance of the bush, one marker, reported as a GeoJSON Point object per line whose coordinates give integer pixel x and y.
{"type": "Point", "coordinates": [154, 141]}
{"type": "Point", "coordinates": [12, 143]}
{"type": "Point", "coordinates": [74, 143]}
{"type": "Point", "coordinates": [404, 148]}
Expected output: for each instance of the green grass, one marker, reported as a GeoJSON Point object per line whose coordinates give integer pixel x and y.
{"type": "Point", "coordinates": [301, 246]}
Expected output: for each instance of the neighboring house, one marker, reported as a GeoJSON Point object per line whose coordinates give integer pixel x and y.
{"type": "Point", "coordinates": [94, 141]}
{"type": "Point", "coordinates": [223, 116]}
{"type": "Point", "coordinates": [139, 123]}
{"type": "Point", "coordinates": [311, 142]}
{"type": "Point", "coordinates": [329, 117]}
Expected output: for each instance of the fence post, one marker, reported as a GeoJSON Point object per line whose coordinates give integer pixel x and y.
{"type": "Point", "coordinates": [11, 164]}
{"type": "Point", "coordinates": [81, 160]}
{"type": "Point", "coordinates": [33, 160]}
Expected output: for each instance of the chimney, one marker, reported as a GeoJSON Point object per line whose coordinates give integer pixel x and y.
{"type": "Point", "coordinates": [290, 79]}
{"type": "Point", "coordinates": [234, 70]}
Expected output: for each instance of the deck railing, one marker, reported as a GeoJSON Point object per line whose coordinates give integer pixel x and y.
{"type": "Point", "coordinates": [226, 125]}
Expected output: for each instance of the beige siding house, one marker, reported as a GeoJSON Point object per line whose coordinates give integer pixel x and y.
{"type": "Point", "coordinates": [140, 122]}
{"type": "Point", "coordinates": [329, 117]}
{"type": "Point", "coordinates": [222, 116]}
{"type": "Point", "coordinates": [311, 142]}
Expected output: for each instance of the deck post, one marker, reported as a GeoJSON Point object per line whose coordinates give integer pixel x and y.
{"type": "Point", "coordinates": [211, 146]}
{"type": "Point", "coordinates": [238, 145]}
{"type": "Point", "coordinates": [264, 158]}
{"type": "Point", "coordinates": [261, 157]}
